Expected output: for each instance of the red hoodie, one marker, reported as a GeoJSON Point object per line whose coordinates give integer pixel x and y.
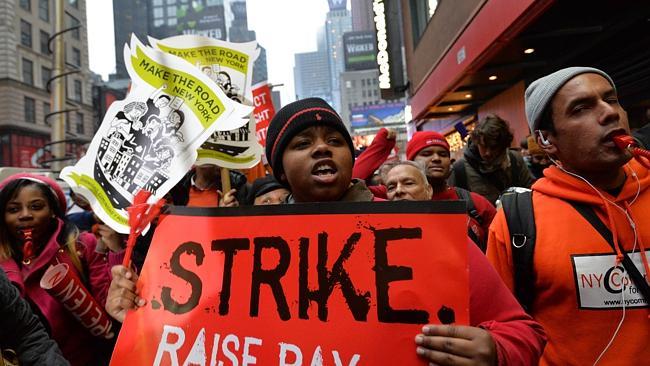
{"type": "Point", "coordinates": [578, 294]}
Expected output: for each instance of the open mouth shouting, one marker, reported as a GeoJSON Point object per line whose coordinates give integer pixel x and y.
{"type": "Point", "coordinates": [325, 172]}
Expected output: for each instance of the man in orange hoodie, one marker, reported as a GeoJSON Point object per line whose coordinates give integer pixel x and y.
{"type": "Point", "coordinates": [583, 293]}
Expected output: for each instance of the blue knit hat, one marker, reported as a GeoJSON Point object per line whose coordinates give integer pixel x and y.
{"type": "Point", "coordinates": [540, 93]}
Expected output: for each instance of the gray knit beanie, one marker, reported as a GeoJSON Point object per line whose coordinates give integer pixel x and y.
{"type": "Point", "coordinates": [540, 93]}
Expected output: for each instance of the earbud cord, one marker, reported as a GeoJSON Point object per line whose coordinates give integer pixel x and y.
{"type": "Point", "coordinates": [633, 225]}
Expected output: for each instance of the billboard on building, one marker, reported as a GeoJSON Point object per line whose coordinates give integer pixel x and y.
{"type": "Point", "coordinates": [200, 19]}
{"type": "Point", "coordinates": [377, 115]}
{"type": "Point", "coordinates": [360, 50]}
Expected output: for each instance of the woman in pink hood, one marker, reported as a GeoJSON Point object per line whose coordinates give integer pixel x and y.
{"type": "Point", "coordinates": [34, 206]}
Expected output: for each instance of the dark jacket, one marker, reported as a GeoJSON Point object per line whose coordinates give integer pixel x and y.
{"type": "Point", "coordinates": [357, 192]}
{"type": "Point", "coordinates": [489, 185]}
{"type": "Point", "coordinates": [21, 331]}
{"type": "Point", "coordinates": [181, 192]}
{"type": "Point", "coordinates": [642, 136]}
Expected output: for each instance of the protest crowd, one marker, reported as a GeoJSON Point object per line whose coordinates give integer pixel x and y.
{"type": "Point", "coordinates": [539, 227]}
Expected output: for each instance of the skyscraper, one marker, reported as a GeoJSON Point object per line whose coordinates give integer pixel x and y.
{"type": "Point", "coordinates": [26, 65]}
{"type": "Point", "coordinates": [239, 32]}
{"type": "Point", "coordinates": [338, 22]}
{"type": "Point", "coordinates": [165, 18]}
{"type": "Point", "coordinates": [128, 17]}
{"type": "Point", "coordinates": [311, 76]}
{"type": "Point", "coordinates": [311, 72]}
{"type": "Point", "coordinates": [362, 15]}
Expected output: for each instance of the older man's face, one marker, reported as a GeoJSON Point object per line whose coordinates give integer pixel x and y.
{"type": "Point", "coordinates": [406, 182]}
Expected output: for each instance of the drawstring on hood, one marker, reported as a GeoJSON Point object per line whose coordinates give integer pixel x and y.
{"type": "Point", "coordinates": [563, 185]}
{"type": "Point", "coordinates": [644, 257]}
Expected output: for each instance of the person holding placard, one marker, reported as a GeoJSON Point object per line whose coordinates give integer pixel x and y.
{"type": "Point", "coordinates": [311, 153]}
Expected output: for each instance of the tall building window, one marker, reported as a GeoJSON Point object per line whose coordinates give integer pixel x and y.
{"type": "Point", "coordinates": [30, 110]}
{"type": "Point", "coordinates": [421, 13]}
{"type": "Point", "coordinates": [77, 91]}
{"type": "Point", "coordinates": [80, 123]}
{"type": "Point", "coordinates": [72, 22]}
{"type": "Point", "coordinates": [25, 33]}
{"type": "Point", "coordinates": [28, 72]}
{"type": "Point", "coordinates": [45, 37]}
{"type": "Point", "coordinates": [46, 111]}
{"type": "Point", "coordinates": [76, 56]}
{"type": "Point", "coordinates": [44, 10]}
{"type": "Point", "coordinates": [46, 74]}
{"type": "Point", "coordinates": [26, 4]}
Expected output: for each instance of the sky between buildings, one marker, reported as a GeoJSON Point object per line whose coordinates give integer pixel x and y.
{"type": "Point", "coordinates": [283, 27]}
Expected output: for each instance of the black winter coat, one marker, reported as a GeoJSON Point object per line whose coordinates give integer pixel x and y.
{"type": "Point", "coordinates": [22, 331]}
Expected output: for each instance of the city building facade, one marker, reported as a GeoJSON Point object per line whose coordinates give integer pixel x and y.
{"type": "Point", "coordinates": [337, 23]}
{"type": "Point", "coordinates": [224, 20]}
{"type": "Point", "coordinates": [26, 66]}
{"type": "Point", "coordinates": [462, 65]}
{"type": "Point", "coordinates": [362, 15]}
{"type": "Point", "coordinates": [311, 75]}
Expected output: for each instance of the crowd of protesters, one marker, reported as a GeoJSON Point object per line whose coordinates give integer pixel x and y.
{"type": "Point", "coordinates": [588, 203]}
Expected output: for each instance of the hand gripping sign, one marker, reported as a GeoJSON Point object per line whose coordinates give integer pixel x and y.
{"type": "Point", "coordinates": [148, 141]}
{"type": "Point", "coordinates": [230, 65]}
{"type": "Point", "coordinates": [329, 284]}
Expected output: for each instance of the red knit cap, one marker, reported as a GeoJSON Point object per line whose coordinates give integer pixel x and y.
{"type": "Point", "coordinates": [422, 139]}
{"type": "Point", "coordinates": [51, 183]}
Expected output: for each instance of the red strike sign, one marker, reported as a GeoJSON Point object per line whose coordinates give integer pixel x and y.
{"type": "Point", "coordinates": [291, 285]}
{"type": "Point", "coordinates": [263, 110]}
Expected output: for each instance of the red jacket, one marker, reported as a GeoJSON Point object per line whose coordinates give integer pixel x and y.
{"type": "Point", "coordinates": [484, 208]}
{"type": "Point", "coordinates": [76, 343]}
{"type": "Point", "coordinates": [377, 153]}
{"type": "Point", "coordinates": [373, 156]}
{"type": "Point", "coordinates": [519, 339]}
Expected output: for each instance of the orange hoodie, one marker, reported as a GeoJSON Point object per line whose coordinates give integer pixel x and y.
{"type": "Point", "coordinates": [578, 279]}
